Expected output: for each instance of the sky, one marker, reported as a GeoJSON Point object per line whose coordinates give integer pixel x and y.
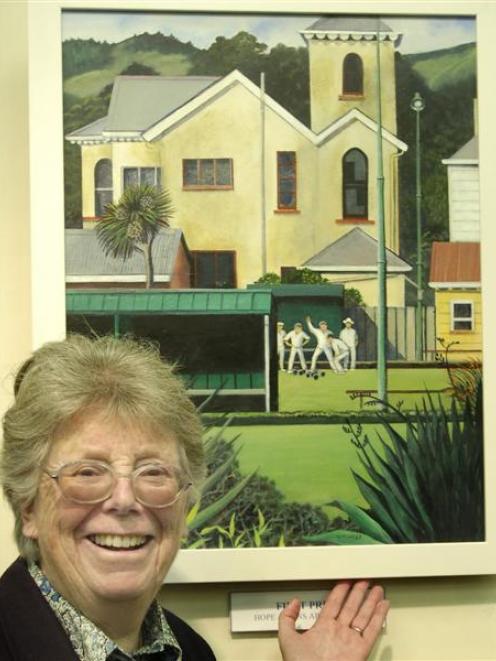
{"type": "Point", "coordinates": [420, 34]}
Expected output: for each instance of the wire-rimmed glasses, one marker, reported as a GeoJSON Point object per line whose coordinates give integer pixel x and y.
{"type": "Point", "coordinates": [88, 482]}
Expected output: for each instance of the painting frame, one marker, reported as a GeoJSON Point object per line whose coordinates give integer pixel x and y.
{"type": "Point", "coordinates": [48, 292]}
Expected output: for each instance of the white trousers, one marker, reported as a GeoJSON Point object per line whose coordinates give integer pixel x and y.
{"type": "Point", "coordinates": [330, 358]}
{"type": "Point", "coordinates": [296, 351]}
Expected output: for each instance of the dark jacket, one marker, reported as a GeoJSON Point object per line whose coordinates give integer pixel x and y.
{"type": "Point", "coordinates": [30, 630]}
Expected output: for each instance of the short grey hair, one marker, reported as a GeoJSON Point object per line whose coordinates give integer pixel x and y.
{"type": "Point", "coordinates": [122, 377]}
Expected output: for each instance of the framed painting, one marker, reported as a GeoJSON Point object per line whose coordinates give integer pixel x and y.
{"type": "Point", "coordinates": [319, 264]}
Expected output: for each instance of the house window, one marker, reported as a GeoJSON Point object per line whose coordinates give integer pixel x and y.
{"type": "Point", "coordinates": [103, 185]}
{"type": "Point", "coordinates": [207, 173]}
{"type": "Point", "coordinates": [462, 316]}
{"type": "Point", "coordinates": [352, 75]}
{"type": "Point", "coordinates": [214, 269]}
{"type": "Point", "coordinates": [286, 180]}
{"type": "Point", "coordinates": [141, 176]}
{"type": "Point", "coordinates": [355, 184]}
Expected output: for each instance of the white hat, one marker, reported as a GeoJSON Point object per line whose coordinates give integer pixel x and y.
{"type": "Point", "coordinates": [348, 320]}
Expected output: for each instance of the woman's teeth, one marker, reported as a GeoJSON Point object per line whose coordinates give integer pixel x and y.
{"type": "Point", "coordinates": [119, 541]}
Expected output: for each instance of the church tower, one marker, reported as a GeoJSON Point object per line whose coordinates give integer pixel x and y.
{"type": "Point", "coordinates": [343, 62]}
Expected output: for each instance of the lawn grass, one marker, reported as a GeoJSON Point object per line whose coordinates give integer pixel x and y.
{"type": "Point", "coordinates": [308, 463]}
{"type": "Point", "coordinates": [328, 393]}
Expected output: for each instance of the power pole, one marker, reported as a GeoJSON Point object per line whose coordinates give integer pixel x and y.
{"type": "Point", "coordinates": [381, 243]}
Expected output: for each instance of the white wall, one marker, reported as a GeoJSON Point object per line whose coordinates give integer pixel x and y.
{"type": "Point", "coordinates": [464, 202]}
{"type": "Point", "coordinates": [431, 619]}
{"type": "Point", "coordinates": [15, 300]}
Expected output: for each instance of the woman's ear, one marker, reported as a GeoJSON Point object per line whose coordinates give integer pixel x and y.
{"type": "Point", "coordinates": [29, 524]}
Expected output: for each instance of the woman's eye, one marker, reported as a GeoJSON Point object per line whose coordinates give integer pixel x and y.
{"type": "Point", "coordinates": [89, 471]}
{"type": "Point", "coordinates": [156, 471]}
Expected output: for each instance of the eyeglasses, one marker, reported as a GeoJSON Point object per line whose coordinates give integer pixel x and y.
{"type": "Point", "coordinates": [89, 482]}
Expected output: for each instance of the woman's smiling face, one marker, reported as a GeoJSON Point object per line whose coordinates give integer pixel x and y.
{"type": "Point", "coordinates": [118, 549]}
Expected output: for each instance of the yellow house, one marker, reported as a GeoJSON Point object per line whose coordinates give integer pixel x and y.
{"type": "Point", "coordinates": [455, 277]}
{"type": "Point", "coordinates": [455, 266]}
{"type": "Point", "coordinates": [253, 188]}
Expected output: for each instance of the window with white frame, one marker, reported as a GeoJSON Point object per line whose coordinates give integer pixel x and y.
{"type": "Point", "coordinates": [462, 316]}
{"type": "Point", "coordinates": [141, 176]}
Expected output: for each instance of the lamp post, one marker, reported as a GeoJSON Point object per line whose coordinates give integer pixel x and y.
{"type": "Point", "coordinates": [417, 105]}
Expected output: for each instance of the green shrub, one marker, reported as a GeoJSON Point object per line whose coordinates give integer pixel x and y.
{"type": "Point", "coordinates": [426, 485]}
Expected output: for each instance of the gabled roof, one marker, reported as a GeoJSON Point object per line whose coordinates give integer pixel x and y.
{"type": "Point", "coordinates": [139, 102]}
{"type": "Point", "coordinates": [355, 28]}
{"type": "Point", "coordinates": [85, 260]}
{"type": "Point", "coordinates": [455, 264]}
{"type": "Point", "coordinates": [468, 154]}
{"type": "Point", "coordinates": [355, 115]}
{"type": "Point", "coordinates": [215, 91]}
{"type": "Point", "coordinates": [356, 251]}
{"type": "Point", "coordinates": [176, 109]}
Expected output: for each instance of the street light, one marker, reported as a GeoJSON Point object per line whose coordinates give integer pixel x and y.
{"type": "Point", "coordinates": [417, 105]}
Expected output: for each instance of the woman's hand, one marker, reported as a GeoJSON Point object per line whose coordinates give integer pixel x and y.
{"type": "Point", "coordinates": [345, 630]}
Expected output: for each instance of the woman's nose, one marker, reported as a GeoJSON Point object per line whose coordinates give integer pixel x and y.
{"type": "Point", "coordinates": [122, 498]}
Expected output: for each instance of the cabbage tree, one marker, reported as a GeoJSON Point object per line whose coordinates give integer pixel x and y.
{"type": "Point", "coordinates": [132, 223]}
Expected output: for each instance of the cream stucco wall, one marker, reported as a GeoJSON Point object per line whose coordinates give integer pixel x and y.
{"type": "Point", "coordinates": [442, 619]}
{"type": "Point", "coordinates": [367, 286]}
{"type": "Point", "coordinates": [326, 81]}
{"type": "Point", "coordinates": [233, 219]}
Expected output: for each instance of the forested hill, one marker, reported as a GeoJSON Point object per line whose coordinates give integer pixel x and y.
{"type": "Point", "coordinates": [89, 65]}
{"type": "Point", "coordinates": [445, 67]}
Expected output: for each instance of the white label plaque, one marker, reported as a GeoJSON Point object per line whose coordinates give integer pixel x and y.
{"type": "Point", "coordinates": [259, 611]}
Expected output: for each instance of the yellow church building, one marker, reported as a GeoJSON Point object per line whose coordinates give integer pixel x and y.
{"type": "Point", "coordinates": [254, 189]}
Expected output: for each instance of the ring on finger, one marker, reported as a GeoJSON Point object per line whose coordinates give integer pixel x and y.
{"type": "Point", "coordinates": [360, 631]}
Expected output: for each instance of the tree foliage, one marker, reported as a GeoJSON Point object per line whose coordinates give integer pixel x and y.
{"type": "Point", "coordinates": [159, 43]}
{"type": "Point", "coordinates": [81, 55]}
{"type": "Point", "coordinates": [138, 69]}
{"type": "Point", "coordinates": [353, 297]}
{"type": "Point", "coordinates": [446, 124]}
{"type": "Point", "coordinates": [285, 68]}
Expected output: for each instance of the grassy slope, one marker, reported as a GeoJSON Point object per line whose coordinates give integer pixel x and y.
{"type": "Point", "coordinates": [92, 82]}
{"type": "Point", "coordinates": [445, 67]}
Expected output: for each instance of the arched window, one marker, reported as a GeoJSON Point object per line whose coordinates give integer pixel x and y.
{"type": "Point", "coordinates": [355, 184]}
{"type": "Point", "coordinates": [352, 74]}
{"type": "Point", "coordinates": [103, 185]}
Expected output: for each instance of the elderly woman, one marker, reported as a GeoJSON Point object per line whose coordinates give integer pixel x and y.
{"type": "Point", "coordinates": [102, 453]}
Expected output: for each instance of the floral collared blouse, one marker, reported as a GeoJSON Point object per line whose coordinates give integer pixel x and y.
{"type": "Point", "coordinates": [92, 644]}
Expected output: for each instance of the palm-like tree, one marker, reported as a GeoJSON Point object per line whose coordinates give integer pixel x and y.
{"type": "Point", "coordinates": [132, 223]}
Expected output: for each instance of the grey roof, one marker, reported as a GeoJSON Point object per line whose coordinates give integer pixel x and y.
{"type": "Point", "coordinates": [92, 130]}
{"type": "Point", "coordinates": [469, 151]}
{"type": "Point", "coordinates": [139, 102]}
{"type": "Point", "coordinates": [356, 249]}
{"type": "Point", "coordinates": [84, 256]}
{"type": "Point", "coordinates": [349, 24]}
